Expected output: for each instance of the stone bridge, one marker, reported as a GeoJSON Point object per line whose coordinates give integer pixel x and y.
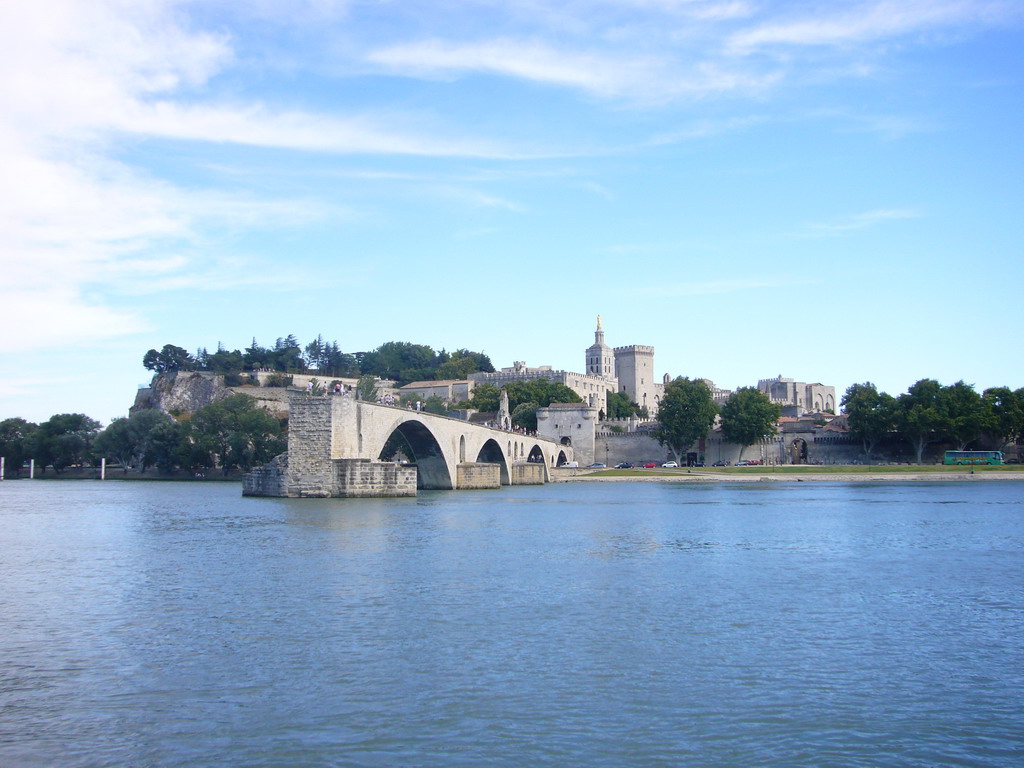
{"type": "Point", "coordinates": [340, 446]}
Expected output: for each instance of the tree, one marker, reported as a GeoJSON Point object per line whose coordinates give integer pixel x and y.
{"type": "Point", "coordinates": [366, 389]}
{"type": "Point", "coordinates": [16, 440]}
{"type": "Point", "coordinates": [686, 413]}
{"type": "Point", "coordinates": [170, 445]}
{"type": "Point", "coordinates": [129, 440]}
{"type": "Point", "coordinates": [619, 406]}
{"type": "Point", "coordinates": [170, 358]}
{"type": "Point", "coordinates": [461, 363]}
{"type": "Point", "coordinates": [966, 412]}
{"type": "Point", "coordinates": [870, 414]}
{"type": "Point", "coordinates": [287, 355]}
{"type": "Point", "coordinates": [401, 361]}
{"type": "Point", "coordinates": [237, 433]}
{"type": "Point", "coordinates": [1006, 407]}
{"type": "Point", "coordinates": [485, 398]}
{"type": "Point", "coordinates": [748, 416]}
{"type": "Point", "coordinates": [435, 405]}
{"type": "Point", "coordinates": [525, 415]}
{"type": "Point", "coordinates": [921, 417]}
{"type": "Point", "coordinates": [64, 440]}
{"type": "Point", "coordinates": [540, 391]}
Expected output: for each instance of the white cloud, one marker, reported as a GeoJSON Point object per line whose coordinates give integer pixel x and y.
{"type": "Point", "coordinates": [859, 221]}
{"type": "Point", "coordinates": [604, 74]}
{"type": "Point", "coordinates": [865, 22]}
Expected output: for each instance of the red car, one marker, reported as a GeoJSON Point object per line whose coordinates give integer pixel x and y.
{"type": "Point", "coordinates": [650, 465]}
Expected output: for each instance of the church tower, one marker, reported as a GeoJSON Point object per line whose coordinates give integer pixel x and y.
{"type": "Point", "coordinates": [600, 357]}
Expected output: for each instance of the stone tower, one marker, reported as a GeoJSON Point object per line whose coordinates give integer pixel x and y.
{"type": "Point", "coordinates": [634, 368]}
{"type": "Point", "coordinates": [600, 357]}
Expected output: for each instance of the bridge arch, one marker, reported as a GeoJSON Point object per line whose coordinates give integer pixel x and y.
{"type": "Point", "coordinates": [491, 453]}
{"type": "Point", "coordinates": [432, 469]}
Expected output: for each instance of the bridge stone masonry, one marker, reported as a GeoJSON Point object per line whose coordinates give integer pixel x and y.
{"type": "Point", "coordinates": [336, 448]}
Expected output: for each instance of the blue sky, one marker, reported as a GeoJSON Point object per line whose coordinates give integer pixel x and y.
{"type": "Point", "coordinates": [830, 191]}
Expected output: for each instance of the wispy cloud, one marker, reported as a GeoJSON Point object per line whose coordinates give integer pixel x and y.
{"type": "Point", "coordinates": [605, 74]}
{"type": "Point", "coordinates": [864, 22]}
{"type": "Point", "coordinates": [858, 221]}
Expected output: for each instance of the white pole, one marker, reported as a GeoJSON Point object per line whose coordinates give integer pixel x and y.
{"type": "Point", "coordinates": [103, 469]}
{"type": "Point", "coordinates": [1, 467]}
{"type": "Point", "coordinates": [32, 470]}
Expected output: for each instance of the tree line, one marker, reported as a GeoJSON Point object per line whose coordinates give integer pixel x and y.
{"type": "Point", "coordinates": [929, 413]}
{"type": "Point", "coordinates": [687, 412]}
{"type": "Point", "coordinates": [400, 361]}
{"type": "Point", "coordinates": [233, 433]}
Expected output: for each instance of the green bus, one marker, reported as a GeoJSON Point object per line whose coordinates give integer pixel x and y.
{"type": "Point", "coordinates": [973, 457]}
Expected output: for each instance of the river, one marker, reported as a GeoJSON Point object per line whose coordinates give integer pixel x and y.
{"type": "Point", "coordinates": [577, 624]}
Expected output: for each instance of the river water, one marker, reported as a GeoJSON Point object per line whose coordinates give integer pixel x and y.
{"type": "Point", "coordinates": [612, 624]}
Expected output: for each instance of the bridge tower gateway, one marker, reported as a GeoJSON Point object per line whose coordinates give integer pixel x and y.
{"type": "Point", "coordinates": [339, 446]}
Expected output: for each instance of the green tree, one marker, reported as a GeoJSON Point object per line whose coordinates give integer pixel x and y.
{"type": "Point", "coordinates": [525, 415]}
{"type": "Point", "coordinates": [686, 413]}
{"type": "Point", "coordinates": [540, 391]}
{"type": "Point", "coordinates": [16, 441]}
{"type": "Point", "coordinates": [435, 405]}
{"type": "Point", "coordinates": [170, 446]}
{"type": "Point", "coordinates": [287, 356]}
{"type": "Point", "coordinates": [224, 361]}
{"type": "Point", "coordinates": [485, 398]}
{"type": "Point", "coordinates": [871, 414]}
{"type": "Point", "coordinates": [366, 389]}
{"type": "Point", "coordinates": [64, 440]}
{"type": "Point", "coordinates": [748, 416]}
{"type": "Point", "coordinates": [1006, 407]}
{"type": "Point", "coordinates": [237, 433]}
{"type": "Point", "coordinates": [170, 358]}
{"type": "Point", "coordinates": [401, 361]}
{"type": "Point", "coordinates": [128, 440]}
{"type": "Point", "coordinates": [619, 406]}
{"type": "Point", "coordinates": [968, 415]}
{"type": "Point", "coordinates": [461, 363]}
{"type": "Point", "coordinates": [921, 417]}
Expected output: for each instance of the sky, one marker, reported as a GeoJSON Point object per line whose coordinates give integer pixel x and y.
{"type": "Point", "coordinates": [828, 191]}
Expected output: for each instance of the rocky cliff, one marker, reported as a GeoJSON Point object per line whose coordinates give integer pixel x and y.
{"type": "Point", "coordinates": [185, 392]}
{"type": "Point", "coordinates": [181, 392]}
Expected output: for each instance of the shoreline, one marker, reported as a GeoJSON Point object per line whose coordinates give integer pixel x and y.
{"type": "Point", "coordinates": [782, 477]}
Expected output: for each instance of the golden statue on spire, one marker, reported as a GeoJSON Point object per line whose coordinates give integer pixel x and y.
{"type": "Point", "coordinates": [599, 322]}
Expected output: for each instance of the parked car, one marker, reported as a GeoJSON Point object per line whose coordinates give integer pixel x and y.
{"type": "Point", "coordinates": [670, 464]}
{"type": "Point", "coordinates": [697, 464]}
{"type": "Point", "coordinates": [569, 464]}
{"type": "Point", "coordinates": [650, 465]}
{"type": "Point", "coordinates": [624, 465]}
{"type": "Point", "coordinates": [721, 463]}
{"type": "Point", "coordinates": [596, 465]}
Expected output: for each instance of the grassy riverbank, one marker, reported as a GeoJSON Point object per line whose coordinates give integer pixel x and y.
{"type": "Point", "coordinates": [836, 472]}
